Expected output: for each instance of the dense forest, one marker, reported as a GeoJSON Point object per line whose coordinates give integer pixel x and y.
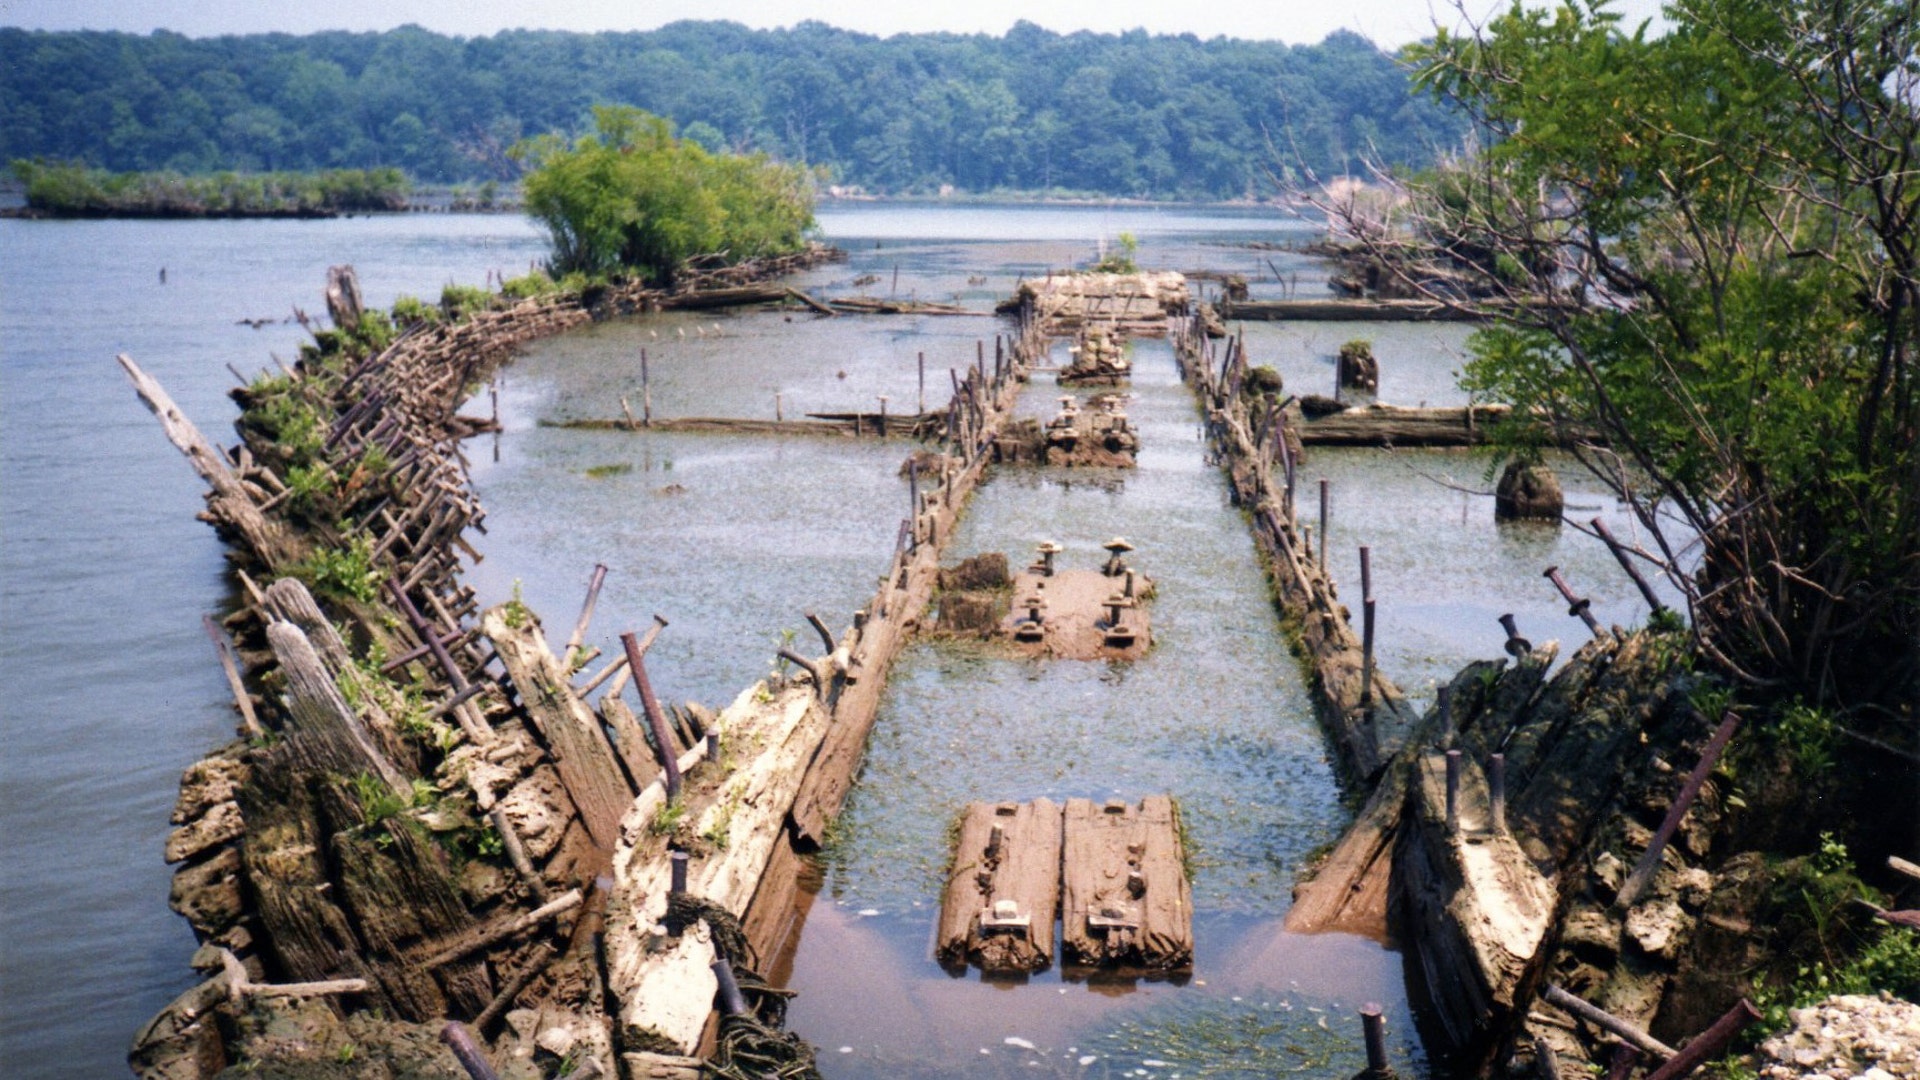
{"type": "Point", "coordinates": [1130, 114]}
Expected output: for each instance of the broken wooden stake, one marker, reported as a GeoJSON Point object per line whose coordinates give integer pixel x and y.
{"type": "Point", "coordinates": [476, 940]}
{"type": "Point", "coordinates": [241, 699]}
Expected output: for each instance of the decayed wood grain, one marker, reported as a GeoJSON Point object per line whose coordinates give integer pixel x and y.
{"type": "Point", "coordinates": [731, 819]}
{"type": "Point", "coordinates": [585, 760]}
{"type": "Point", "coordinates": [1126, 900]}
{"type": "Point", "coordinates": [1003, 892]}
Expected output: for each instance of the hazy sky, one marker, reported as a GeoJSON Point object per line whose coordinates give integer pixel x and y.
{"type": "Point", "coordinates": [1387, 22]}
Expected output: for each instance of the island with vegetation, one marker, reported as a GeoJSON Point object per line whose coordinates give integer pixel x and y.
{"type": "Point", "coordinates": [55, 190]}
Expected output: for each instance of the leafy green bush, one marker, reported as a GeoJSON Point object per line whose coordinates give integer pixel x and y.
{"type": "Point", "coordinates": [343, 573]}
{"type": "Point", "coordinates": [1120, 258]}
{"type": "Point", "coordinates": [528, 286]}
{"type": "Point", "coordinates": [411, 311]}
{"type": "Point", "coordinates": [460, 301]}
{"type": "Point", "coordinates": [631, 197]}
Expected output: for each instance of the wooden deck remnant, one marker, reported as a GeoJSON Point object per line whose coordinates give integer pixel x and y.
{"type": "Point", "coordinates": [1137, 303]}
{"type": "Point", "coordinates": [1003, 892]}
{"type": "Point", "coordinates": [1099, 435]}
{"type": "Point", "coordinates": [1126, 901]}
{"type": "Point", "coordinates": [1080, 614]}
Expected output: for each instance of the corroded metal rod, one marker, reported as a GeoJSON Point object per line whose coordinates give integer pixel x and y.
{"type": "Point", "coordinates": [1593, 1014]}
{"type": "Point", "coordinates": [1709, 1043]}
{"type": "Point", "coordinates": [1576, 605]}
{"type": "Point", "coordinates": [579, 635]}
{"type": "Point", "coordinates": [1649, 863]}
{"type": "Point", "coordinates": [1374, 1024]}
{"type": "Point", "coordinates": [1366, 652]}
{"type": "Point", "coordinates": [1323, 527]}
{"type": "Point", "coordinates": [467, 1050]}
{"type": "Point", "coordinates": [662, 741]}
{"type": "Point", "coordinates": [1516, 645]}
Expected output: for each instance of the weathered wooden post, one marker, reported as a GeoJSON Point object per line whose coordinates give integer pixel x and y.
{"type": "Point", "coordinates": [646, 392]}
{"type": "Point", "coordinates": [779, 412]}
{"type": "Point", "coordinates": [1453, 792]}
{"type": "Point", "coordinates": [883, 415]}
{"type": "Point", "coordinates": [923, 384]}
{"type": "Point", "coordinates": [1497, 792]}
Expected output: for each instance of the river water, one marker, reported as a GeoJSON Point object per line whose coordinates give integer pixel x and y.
{"type": "Point", "coordinates": [110, 688]}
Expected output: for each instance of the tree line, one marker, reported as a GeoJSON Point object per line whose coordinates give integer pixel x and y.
{"type": "Point", "coordinates": [1128, 115]}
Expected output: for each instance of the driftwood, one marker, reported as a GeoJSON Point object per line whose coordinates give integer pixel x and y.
{"type": "Point", "coordinates": [811, 302]}
{"type": "Point", "coordinates": [1390, 425]}
{"type": "Point", "coordinates": [862, 425]}
{"type": "Point", "coordinates": [738, 296]}
{"type": "Point", "coordinates": [1003, 891]}
{"type": "Point", "coordinates": [869, 305]}
{"type": "Point", "coordinates": [242, 700]}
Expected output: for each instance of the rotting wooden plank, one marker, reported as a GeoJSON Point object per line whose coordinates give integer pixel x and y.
{"type": "Point", "coordinates": [1003, 892]}
{"type": "Point", "coordinates": [582, 756]}
{"type": "Point", "coordinates": [732, 822]}
{"type": "Point", "coordinates": [779, 909]}
{"type": "Point", "coordinates": [326, 733]}
{"type": "Point", "coordinates": [1125, 898]}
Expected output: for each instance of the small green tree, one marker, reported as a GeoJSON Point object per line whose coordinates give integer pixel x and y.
{"type": "Point", "coordinates": [1713, 235]}
{"type": "Point", "coordinates": [631, 197]}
